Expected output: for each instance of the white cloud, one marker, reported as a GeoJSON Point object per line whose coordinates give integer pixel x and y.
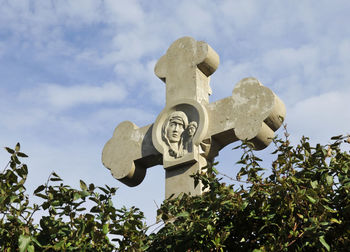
{"type": "Point", "coordinates": [65, 97]}
{"type": "Point", "coordinates": [320, 117]}
{"type": "Point", "coordinates": [109, 118]}
{"type": "Point", "coordinates": [238, 14]}
{"type": "Point", "coordinates": [286, 60]}
{"type": "Point", "coordinates": [195, 17]}
{"type": "Point", "coordinates": [124, 12]}
{"type": "Point", "coordinates": [228, 75]}
{"type": "Point", "coordinates": [77, 12]}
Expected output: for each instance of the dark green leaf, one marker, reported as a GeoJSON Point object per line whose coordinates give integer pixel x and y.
{"type": "Point", "coordinates": [55, 175]}
{"type": "Point", "coordinates": [9, 150]}
{"type": "Point", "coordinates": [56, 179]}
{"type": "Point", "coordinates": [39, 189]}
{"type": "Point", "coordinates": [103, 189]}
{"type": "Point", "coordinates": [336, 137]}
{"type": "Point", "coordinates": [41, 195]}
{"type": "Point", "coordinates": [21, 154]}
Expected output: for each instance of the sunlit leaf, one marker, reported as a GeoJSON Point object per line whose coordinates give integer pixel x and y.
{"type": "Point", "coordinates": [183, 214]}
{"type": "Point", "coordinates": [18, 147]}
{"type": "Point", "coordinates": [311, 199]}
{"type": "Point", "coordinates": [324, 243]}
{"type": "Point", "coordinates": [314, 184]}
{"type": "Point", "coordinates": [23, 242]}
{"type": "Point", "coordinates": [83, 185]}
{"type": "Point", "coordinates": [105, 228]}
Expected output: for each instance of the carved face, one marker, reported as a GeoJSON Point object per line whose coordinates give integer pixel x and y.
{"type": "Point", "coordinates": [192, 127]}
{"type": "Point", "coordinates": [175, 129]}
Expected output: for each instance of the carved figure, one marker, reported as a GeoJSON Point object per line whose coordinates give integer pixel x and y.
{"type": "Point", "coordinates": [191, 130]}
{"type": "Point", "coordinates": [172, 133]}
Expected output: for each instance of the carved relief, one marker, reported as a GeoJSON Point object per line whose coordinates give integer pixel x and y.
{"type": "Point", "coordinates": [178, 133]}
{"type": "Point", "coordinates": [191, 131]}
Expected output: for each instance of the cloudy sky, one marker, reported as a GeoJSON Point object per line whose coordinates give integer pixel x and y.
{"type": "Point", "coordinates": [71, 71]}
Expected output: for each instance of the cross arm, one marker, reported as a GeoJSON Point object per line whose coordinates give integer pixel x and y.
{"type": "Point", "coordinates": [253, 113]}
{"type": "Point", "coordinates": [130, 152]}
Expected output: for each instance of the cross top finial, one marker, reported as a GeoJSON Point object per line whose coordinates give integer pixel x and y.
{"type": "Point", "coordinates": [185, 68]}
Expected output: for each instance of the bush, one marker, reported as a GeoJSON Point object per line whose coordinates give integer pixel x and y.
{"type": "Point", "coordinates": [303, 205]}
{"type": "Point", "coordinates": [65, 224]}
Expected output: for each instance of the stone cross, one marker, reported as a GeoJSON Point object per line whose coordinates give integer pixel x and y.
{"type": "Point", "coordinates": [190, 131]}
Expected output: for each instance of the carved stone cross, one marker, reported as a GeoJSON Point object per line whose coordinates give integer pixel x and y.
{"type": "Point", "coordinates": [191, 131]}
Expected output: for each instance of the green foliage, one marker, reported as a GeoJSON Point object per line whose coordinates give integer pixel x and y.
{"type": "Point", "coordinates": [302, 205]}
{"type": "Point", "coordinates": [65, 222]}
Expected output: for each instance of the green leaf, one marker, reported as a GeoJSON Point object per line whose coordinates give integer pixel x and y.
{"type": "Point", "coordinates": [30, 248]}
{"type": "Point", "coordinates": [83, 185]}
{"type": "Point", "coordinates": [105, 228]}
{"type": "Point", "coordinates": [245, 204]}
{"type": "Point", "coordinates": [333, 220]}
{"type": "Point", "coordinates": [329, 180]}
{"type": "Point", "coordinates": [314, 184]}
{"type": "Point", "coordinates": [15, 159]}
{"type": "Point", "coordinates": [329, 209]}
{"type": "Point", "coordinates": [183, 214]}
{"type": "Point", "coordinates": [103, 189]}
{"type": "Point", "coordinates": [95, 209]}
{"type": "Point", "coordinates": [300, 216]}
{"type": "Point", "coordinates": [21, 154]}
{"type": "Point", "coordinates": [9, 150]}
{"type": "Point", "coordinates": [312, 200]}
{"type": "Point", "coordinates": [59, 245]}
{"type": "Point", "coordinates": [324, 243]}
{"type": "Point", "coordinates": [56, 179]}
{"type": "Point", "coordinates": [294, 179]}
{"type": "Point", "coordinates": [23, 242]}
{"type": "Point", "coordinates": [41, 195]}
{"type": "Point", "coordinates": [91, 187]}
{"type": "Point", "coordinates": [336, 137]}
{"type": "Point", "coordinates": [39, 189]}
{"type": "Point", "coordinates": [35, 241]}
{"type": "Point", "coordinates": [18, 147]}
{"type": "Point", "coordinates": [55, 175]}
{"type": "Point", "coordinates": [76, 196]}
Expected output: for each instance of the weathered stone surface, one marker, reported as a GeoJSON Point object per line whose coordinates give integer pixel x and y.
{"type": "Point", "coordinates": [253, 112]}
{"type": "Point", "coordinates": [191, 131]}
{"type": "Point", "coordinates": [185, 68]}
{"type": "Point", "coordinates": [130, 152]}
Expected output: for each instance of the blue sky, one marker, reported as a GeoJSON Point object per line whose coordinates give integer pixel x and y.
{"type": "Point", "coordinates": [71, 71]}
